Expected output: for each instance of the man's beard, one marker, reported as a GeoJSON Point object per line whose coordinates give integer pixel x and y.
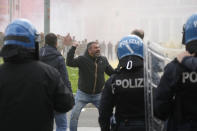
{"type": "Point", "coordinates": [97, 54]}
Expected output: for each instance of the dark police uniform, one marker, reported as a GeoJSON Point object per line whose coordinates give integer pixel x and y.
{"type": "Point", "coordinates": [176, 96]}
{"type": "Point", "coordinates": [124, 91]}
{"type": "Point", "coordinates": [30, 91]}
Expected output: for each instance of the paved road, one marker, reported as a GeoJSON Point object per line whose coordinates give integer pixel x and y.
{"type": "Point", "coordinates": [86, 129]}
{"type": "Point", "coordinates": [88, 120]}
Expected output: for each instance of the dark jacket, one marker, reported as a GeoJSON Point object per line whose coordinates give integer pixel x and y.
{"type": "Point", "coordinates": [125, 92]}
{"type": "Point", "coordinates": [30, 91]}
{"type": "Point", "coordinates": [175, 97]}
{"type": "Point", "coordinates": [91, 71]}
{"type": "Point", "coordinates": [50, 55]}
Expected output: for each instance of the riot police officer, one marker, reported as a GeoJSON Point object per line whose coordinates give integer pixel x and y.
{"type": "Point", "coordinates": [30, 91]}
{"type": "Point", "coordinates": [124, 91]}
{"type": "Point", "coordinates": [175, 99]}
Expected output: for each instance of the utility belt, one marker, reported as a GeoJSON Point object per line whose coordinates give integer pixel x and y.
{"type": "Point", "coordinates": [128, 125]}
{"type": "Point", "coordinates": [189, 121]}
{"type": "Point", "coordinates": [183, 125]}
{"type": "Point", "coordinates": [128, 122]}
{"type": "Point", "coordinates": [186, 126]}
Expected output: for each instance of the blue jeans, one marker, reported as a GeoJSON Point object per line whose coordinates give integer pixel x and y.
{"type": "Point", "coordinates": [61, 121]}
{"type": "Point", "coordinates": [81, 99]}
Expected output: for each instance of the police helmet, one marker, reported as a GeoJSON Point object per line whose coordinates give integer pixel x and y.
{"type": "Point", "coordinates": [190, 30]}
{"type": "Point", "coordinates": [21, 32]}
{"type": "Point", "coordinates": [130, 45]}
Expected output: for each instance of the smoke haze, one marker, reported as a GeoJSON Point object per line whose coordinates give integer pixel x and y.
{"type": "Point", "coordinates": [109, 20]}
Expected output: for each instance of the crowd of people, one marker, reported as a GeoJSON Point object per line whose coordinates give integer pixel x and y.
{"type": "Point", "coordinates": [107, 49]}
{"type": "Point", "coordinates": [35, 88]}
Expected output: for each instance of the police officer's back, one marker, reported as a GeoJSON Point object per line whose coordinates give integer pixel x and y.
{"type": "Point", "coordinates": [30, 90]}
{"type": "Point", "coordinates": [175, 99]}
{"type": "Point", "coordinates": [125, 89]}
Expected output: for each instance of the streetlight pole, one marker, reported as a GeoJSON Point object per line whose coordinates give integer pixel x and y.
{"type": "Point", "coordinates": [10, 10]}
{"type": "Point", "coordinates": [46, 16]}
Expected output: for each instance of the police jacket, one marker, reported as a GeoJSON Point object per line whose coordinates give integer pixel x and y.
{"type": "Point", "coordinates": [175, 97]}
{"type": "Point", "coordinates": [124, 91]}
{"type": "Point", "coordinates": [30, 91]}
{"type": "Point", "coordinates": [50, 55]}
{"type": "Point", "coordinates": [91, 71]}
